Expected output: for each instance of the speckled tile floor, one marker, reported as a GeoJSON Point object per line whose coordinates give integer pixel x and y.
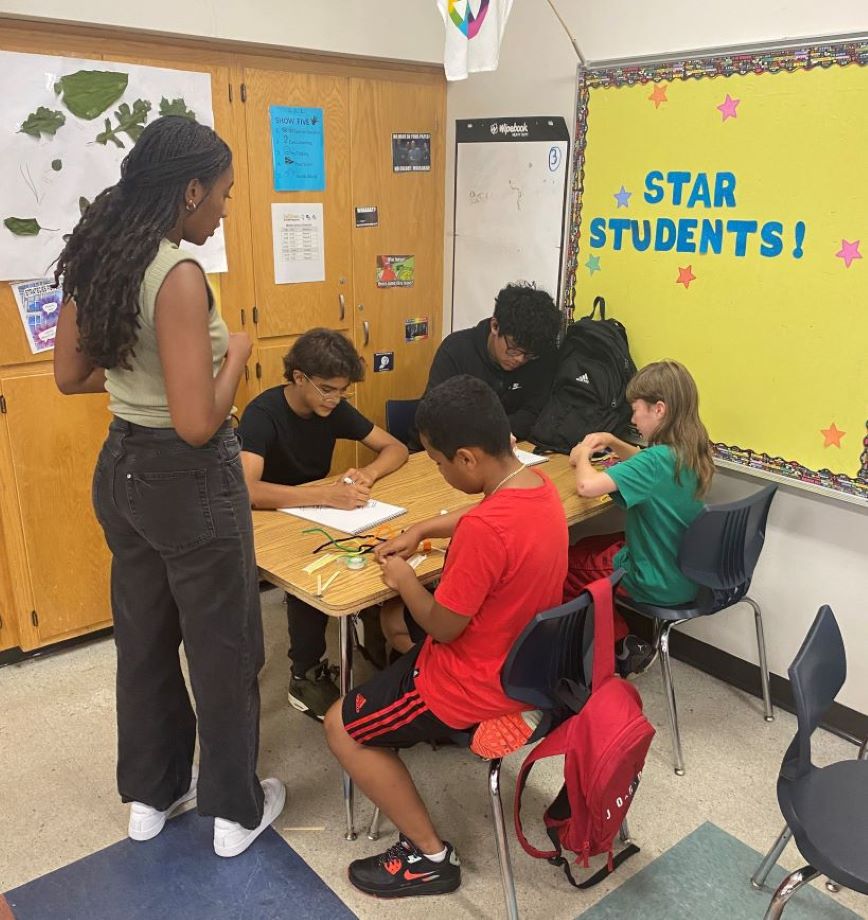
{"type": "Point", "coordinates": [58, 801]}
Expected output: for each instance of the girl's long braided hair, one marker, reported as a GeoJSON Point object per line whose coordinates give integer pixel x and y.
{"type": "Point", "coordinates": [104, 261]}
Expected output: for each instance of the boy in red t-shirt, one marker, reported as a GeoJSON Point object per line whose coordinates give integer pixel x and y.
{"type": "Point", "coordinates": [507, 562]}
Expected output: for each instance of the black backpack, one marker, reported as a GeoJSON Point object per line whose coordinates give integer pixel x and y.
{"type": "Point", "coordinates": [588, 394]}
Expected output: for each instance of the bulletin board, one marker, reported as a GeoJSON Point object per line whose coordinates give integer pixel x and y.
{"type": "Point", "coordinates": [719, 205]}
{"type": "Point", "coordinates": [65, 126]}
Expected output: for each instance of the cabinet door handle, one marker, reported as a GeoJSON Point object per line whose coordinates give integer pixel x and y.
{"type": "Point", "coordinates": [366, 329]}
{"type": "Point", "coordinates": [341, 306]}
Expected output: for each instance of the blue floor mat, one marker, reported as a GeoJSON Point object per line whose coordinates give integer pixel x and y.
{"type": "Point", "coordinates": [177, 875]}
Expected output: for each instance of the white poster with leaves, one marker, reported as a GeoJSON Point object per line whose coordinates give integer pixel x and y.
{"type": "Point", "coordinates": [65, 126]}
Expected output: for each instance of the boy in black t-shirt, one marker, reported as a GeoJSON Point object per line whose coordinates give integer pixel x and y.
{"type": "Point", "coordinates": [288, 435]}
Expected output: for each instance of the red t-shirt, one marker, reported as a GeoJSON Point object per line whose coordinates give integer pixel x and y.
{"type": "Point", "coordinates": [507, 562]}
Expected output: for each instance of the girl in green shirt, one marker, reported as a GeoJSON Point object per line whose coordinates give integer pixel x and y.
{"type": "Point", "coordinates": [660, 487]}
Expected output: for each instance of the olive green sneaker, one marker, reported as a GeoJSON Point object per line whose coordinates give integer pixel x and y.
{"type": "Point", "coordinates": [314, 693]}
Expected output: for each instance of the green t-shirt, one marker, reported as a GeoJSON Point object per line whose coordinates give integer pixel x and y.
{"type": "Point", "coordinates": [659, 510]}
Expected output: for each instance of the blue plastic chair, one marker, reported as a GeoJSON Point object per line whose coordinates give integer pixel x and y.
{"type": "Point", "coordinates": [826, 808]}
{"type": "Point", "coordinates": [557, 644]}
{"type": "Point", "coordinates": [400, 417]}
{"type": "Point", "coordinates": [718, 552]}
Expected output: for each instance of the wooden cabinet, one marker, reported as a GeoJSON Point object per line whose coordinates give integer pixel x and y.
{"type": "Point", "coordinates": [290, 309]}
{"type": "Point", "coordinates": [410, 206]}
{"type": "Point", "coordinates": [54, 565]}
{"type": "Point", "coordinates": [60, 588]}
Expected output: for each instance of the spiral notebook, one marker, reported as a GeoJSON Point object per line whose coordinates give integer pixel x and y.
{"type": "Point", "coordinates": [354, 522]}
{"type": "Point", "coordinates": [529, 459]}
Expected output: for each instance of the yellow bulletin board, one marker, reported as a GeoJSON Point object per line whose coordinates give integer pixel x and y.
{"type": "Point", "coordinates": [720, 205]}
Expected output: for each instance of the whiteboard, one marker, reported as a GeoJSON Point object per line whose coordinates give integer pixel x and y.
{"type": "Point", "coordinates": [510, 199]}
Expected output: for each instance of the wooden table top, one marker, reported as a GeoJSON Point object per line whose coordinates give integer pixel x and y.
{"type": "Point", "coordinates": [283, 550]}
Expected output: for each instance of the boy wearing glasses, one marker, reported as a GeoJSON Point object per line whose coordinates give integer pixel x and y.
{"type": "Point", "coordinates": [288, 435]}
{"type": "Point", "coordinates": [513, 352]}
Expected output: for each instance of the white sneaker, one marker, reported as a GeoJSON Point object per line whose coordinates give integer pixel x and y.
{"type": "Point", "coordinates": [231, 838]}
{"type": "Point", "coordinates": [146, 822]}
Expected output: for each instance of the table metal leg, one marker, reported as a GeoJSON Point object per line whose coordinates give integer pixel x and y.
{"type": "Point", "coordinates": [346, 679]}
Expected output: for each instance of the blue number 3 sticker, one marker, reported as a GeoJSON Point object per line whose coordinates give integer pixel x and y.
{"type": "Point", "coordinates": [554, 158]}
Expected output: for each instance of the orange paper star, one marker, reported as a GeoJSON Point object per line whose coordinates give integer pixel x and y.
{"type": "Point", "coordinates": [658, 96]}
{"type": "Point", "coordinates": [685, 276]}
{"type": "Point", "coordinates": [832, 436]}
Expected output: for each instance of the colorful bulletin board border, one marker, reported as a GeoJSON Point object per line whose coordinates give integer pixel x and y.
{"type": "Point", "coordinates": [657, 75]}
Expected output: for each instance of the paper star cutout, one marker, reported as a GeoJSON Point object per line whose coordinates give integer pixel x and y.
{"type": "Point", "coordinates": [727, 107]}
{"type": "Point", "coordinates": [685, 276]}
{"type": "Point", "coordinates": [832, 436]}
{"type": "Point", "coordinates": [658, 95]}
{"type": "Point", "coordinates": [623, 198]}
{"type": "Point", "coordinates": [593, 264]}
{"type": "Point", "coordinates": [848, 252]}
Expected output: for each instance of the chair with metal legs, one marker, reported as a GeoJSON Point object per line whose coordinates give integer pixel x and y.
{"type": "Point", "coordinates": [556, 644]}
{"type": "Point", "coordinates": [718, 552]}
{"type": "Point", "coordinates": [825, 808]}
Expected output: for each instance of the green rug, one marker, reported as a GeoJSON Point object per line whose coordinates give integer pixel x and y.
{"type": "Point", "coordinates": [707, 877]}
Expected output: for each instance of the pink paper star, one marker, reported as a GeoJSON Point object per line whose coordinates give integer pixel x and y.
{"type": "Point", "coordinates": [685, 276]}
{"type": "Point", "coordinates": [727, 107]}
{"type": "Point", "coordinates": [848, 252]}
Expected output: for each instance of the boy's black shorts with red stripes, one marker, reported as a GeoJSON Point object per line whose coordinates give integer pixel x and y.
{"type": "Point", "coordinates": [387, 711]}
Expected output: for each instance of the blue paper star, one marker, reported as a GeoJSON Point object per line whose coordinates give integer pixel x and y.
{"type": "Point", "coordinates": [623, 198]}
{"type": "Point", "coordinates": [593, 264]}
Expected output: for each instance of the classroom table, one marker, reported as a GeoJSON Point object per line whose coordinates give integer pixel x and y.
{"type": "Point", "coordinates": [283, 550]}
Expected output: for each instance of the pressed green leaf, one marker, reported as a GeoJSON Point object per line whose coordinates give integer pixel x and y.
{"type": "Point", "coordinates": [57, 165]}
{"type": "Point", "coordinates": [83, 205]}
{"type": "Point", "coordinates": [130, 121]}
{"type": "Point", "coordinates": [22, 226]}
{"type": "Point", "coordinates": [43, 121]}
{"type": "Point", "coordinates": [176, 107]}
{"type": "Point", "coordinates": [88, 93]}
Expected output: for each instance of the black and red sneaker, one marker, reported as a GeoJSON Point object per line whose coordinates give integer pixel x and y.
{"type": "Point", "coordinates": [403, 872]}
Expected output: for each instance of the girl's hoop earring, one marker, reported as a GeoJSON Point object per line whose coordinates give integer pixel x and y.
{"type": "Point", "coordinates": [191, 206]}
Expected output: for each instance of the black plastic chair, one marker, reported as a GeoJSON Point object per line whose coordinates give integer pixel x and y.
{"type": "Point", "coordinates": [400, 416]}
{"type": "Point", "coordinates": [826, 808]}
{"type": "Point", "coordinates": [718, 552]}
{"type": "Point", "coordinates": [556, 644]}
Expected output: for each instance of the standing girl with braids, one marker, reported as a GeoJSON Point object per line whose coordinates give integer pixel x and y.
{"type": "Point", "coordinates": [661, 488]}
{"type": "Point", "coordinates": [139, 321]}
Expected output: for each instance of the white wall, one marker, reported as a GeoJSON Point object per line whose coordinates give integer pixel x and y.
{"type": "Point", "coordinates": [816, 549]}
{"type": "Point", "coordinates": [409, 30]}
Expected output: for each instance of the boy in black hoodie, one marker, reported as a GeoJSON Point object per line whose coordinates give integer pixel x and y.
{"type": "Point", "coordinates": [513, 352]}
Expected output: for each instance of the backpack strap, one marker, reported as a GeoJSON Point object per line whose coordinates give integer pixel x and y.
{"type": "Point", "coordinates": [601, 303]}
{"type": "Point", "coordinates": [553, 744]}
{"type": "Point", "coordinates": [604, 632]}
{"type": "Point", "coordinates": [600, 874]}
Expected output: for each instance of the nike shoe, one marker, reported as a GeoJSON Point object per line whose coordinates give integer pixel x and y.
{"type": "Point", "coordinates": [403, 872]}
{"type": "Point", "coordinates": [633, 655]}
{"type": "Point", "coordinates": [314, 693]}
{"type": "Point", "coordinates": [504, 734]}
{"type": "Point", "coordinates": [146, 822]}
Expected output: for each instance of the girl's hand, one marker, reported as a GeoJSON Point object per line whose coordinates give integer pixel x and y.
{"type": "Point", "coordinates": [598, 441]}
{"type": "Point", "coordinates": [396, 571]}
{"type": "Point", "coordinates": [579, 450]}
{"type": "Point", "coordinates": [239, 347]}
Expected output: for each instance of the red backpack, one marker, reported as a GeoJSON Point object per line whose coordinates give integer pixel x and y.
{"type": "Point", "coordinates": [604, 745]}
